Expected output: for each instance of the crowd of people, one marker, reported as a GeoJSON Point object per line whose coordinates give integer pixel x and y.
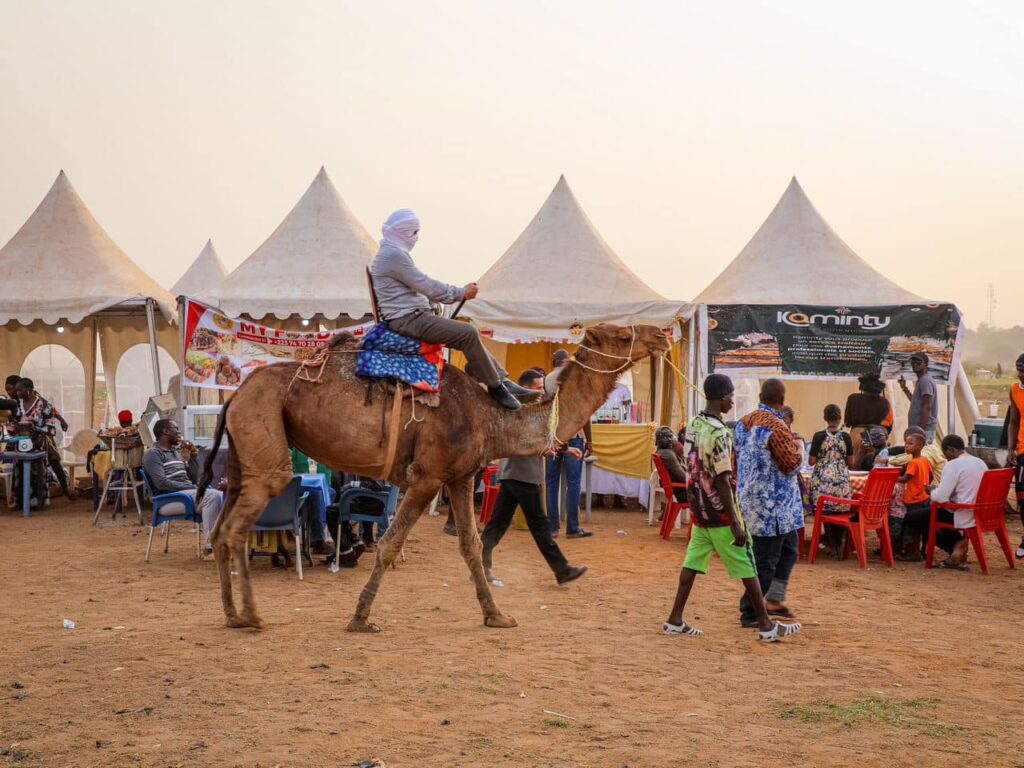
{"type": "Point", "coordinates": [748, 498]}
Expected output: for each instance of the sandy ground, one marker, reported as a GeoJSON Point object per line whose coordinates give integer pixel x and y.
{"type": "Point", "coordinates": [151, 676]}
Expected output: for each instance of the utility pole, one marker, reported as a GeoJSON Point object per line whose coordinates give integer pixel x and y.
{"type": "Point", "coordinates": [990, 296]}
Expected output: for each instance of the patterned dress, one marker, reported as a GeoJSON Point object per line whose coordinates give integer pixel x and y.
{"type": "Point", "coordinates": [831, 475]}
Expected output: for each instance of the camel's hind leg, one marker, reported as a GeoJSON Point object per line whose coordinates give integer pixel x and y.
{"type": "Point", "coordinates": [416, 499]}
{"type": "Point", "coordinates": [461, 492]}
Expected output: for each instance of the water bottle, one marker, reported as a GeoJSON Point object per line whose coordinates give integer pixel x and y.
{"type": "Point", "coordinates": [973, 439]}
{"type": "Point", "coordinates": [312, 467]}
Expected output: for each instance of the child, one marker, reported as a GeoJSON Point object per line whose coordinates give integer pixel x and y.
{"type": "Point", "coordinates": [831, 454]}
{"type": "Point", "coordinates": [916, 481]}
{"type": "Point", "coordinates": [717, 525]}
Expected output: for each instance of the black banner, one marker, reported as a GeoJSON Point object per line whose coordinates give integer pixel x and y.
{"type": "Point", "coordinates": [791, 340]}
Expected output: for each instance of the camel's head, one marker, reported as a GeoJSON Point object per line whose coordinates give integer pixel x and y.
{"type": "Point", "coordinates": [617, 343]}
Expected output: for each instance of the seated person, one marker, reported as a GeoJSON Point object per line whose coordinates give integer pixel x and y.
{"type": "Point", "coordinates": [960, 483]}
{"type": "Point", "coordinates": [404, 293]}
{"type": "Point", "coordinates": [871, 451]}
{"type": "Point", "coordinates": [665, 444]}
{"type": "Point", "coordinates": [916, 481]}
{"type": "Point", "coordinates": [172, 466]}
{"type": "Point", "coordinates": [34, 409]}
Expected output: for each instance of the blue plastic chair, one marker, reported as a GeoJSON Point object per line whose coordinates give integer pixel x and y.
{"type": "Point", "coordinates": [284, 513]}
{"type": "Point", "coordinates": [345, 514]}
{"type": "Point", "coordinates": [187, 514]}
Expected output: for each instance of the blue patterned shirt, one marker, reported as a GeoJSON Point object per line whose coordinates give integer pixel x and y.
{"type": "Point", "coordinates": [766, 473]}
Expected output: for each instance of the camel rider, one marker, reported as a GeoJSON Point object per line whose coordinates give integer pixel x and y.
{"type": "Point", "coordinates": [404, 294]}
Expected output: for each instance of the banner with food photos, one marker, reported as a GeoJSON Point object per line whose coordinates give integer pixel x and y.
{"type": "Point", "coordinates": [802, 341]}
{"type": "Point", "coordinates": [221, 351]}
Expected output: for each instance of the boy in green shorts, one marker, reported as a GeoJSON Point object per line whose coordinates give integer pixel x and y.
{"type": "Point", "coordinates": [717, 525]}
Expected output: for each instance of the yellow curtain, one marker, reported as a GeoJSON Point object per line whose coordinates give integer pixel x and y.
{"type": "Point", "coordinates": [624, 449]}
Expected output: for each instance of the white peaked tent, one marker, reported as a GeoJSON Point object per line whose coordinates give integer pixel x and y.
{"type": "Point", "coordinates": [795, 257]}
{"type": "Point", "coordinates": [66, 281]}
{"type": "Point", "coordinates": [558, 273]}
{"type": "Point", "coordinates": [202, 280]}
{"type": "Point", "coordinates": [313, 264]}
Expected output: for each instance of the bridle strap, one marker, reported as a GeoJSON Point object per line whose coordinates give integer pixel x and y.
{"type": "Point", "coordinates": [627, 359]}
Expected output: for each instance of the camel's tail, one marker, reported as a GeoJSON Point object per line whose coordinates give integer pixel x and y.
{"type": "Point", "coordinates": [207, 477]}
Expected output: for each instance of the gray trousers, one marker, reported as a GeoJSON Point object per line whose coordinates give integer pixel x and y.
{"type": "Point", "coordinates": [427, 327]}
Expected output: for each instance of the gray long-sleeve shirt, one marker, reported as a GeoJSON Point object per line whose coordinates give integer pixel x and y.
{"type": "Point", "coordinates": [402, 288]}
{"type": "Point", "coordinates": [167, 472]}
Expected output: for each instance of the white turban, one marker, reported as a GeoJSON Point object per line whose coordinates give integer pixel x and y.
{"type": "Point", "coordinates": [401, 230]}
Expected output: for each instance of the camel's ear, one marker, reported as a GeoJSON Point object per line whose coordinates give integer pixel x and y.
{"type": "Point", "coordinates": [624, 334]}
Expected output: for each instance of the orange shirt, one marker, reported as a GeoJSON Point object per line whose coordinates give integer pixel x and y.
{"type": "Point", "coordinates": [919, 474]}
{"type": "Point", "coordinates": [1017, 397]}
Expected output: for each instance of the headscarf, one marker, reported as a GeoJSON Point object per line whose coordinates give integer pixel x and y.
{"type": "Point", "coordinates": [401, 230]}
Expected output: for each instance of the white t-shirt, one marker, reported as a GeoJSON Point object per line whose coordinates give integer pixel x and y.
{"type": "Point", "coordinates": [619, 396]}
{"type": "Point", "coordinates": [961, 479]}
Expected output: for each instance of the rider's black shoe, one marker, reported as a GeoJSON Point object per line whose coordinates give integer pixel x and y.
{"type": "Point", "coordinates": [503, 397]}
{"type": "Point", "coordinates": [522, 394]}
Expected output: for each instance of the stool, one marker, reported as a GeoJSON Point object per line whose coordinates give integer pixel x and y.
{"type": "Point", "coordinates": [125, 460]}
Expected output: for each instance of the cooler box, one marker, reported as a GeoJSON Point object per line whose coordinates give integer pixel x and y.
{"type": "Point", "coordinates": [989, 432]}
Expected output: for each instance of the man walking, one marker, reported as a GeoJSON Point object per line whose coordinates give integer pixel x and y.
{"type": "Point", "coordinates": [924, 401]}
{"type": "Point", "coordinates": [717, 525]}
{"type": "Point", "coordinates": [769, 495]}
{"type": "Point", "coordinates": [521, 477]}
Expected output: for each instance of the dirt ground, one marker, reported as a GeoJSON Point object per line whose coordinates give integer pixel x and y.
{"type": "Point", "coordinates": [895, 667]}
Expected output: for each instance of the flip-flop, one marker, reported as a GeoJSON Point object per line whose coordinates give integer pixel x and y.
{"type": "Point", "coordinates": [950, 565]}
{"type": "Point", "coordinates": [779, 631]}
{"type": "Point", "coordinates": [682, 629]}
{"type": "Point", "coordinates": [782, 612]}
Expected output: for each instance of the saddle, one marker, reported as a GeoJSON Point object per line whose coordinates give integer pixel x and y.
{"type": "Point", "coordinates": [387, 355]}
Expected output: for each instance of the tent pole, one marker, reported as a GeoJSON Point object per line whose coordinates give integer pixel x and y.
{"type": "Point", "coordinates": [151, 323]}
{"type": "Point", "coordinates": [691, 367]}
{"type": "Point", "coordinates": [954, 374]}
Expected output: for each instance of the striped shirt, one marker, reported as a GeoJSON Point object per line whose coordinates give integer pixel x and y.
{"type": "Point", "coordinates": [167, 472]}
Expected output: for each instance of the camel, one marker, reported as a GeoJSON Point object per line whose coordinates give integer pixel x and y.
{"type": "Point", "coordinates": [335, 418]}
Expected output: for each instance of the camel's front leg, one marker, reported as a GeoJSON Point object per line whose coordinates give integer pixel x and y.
{"type": "Point", "coordinates": [416, 499]}
{"type": "Point", "coordinates": [461, 492]}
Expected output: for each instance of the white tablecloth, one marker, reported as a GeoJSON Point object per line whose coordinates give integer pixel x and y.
{"type": "Point", "coordinates": [605, 482]}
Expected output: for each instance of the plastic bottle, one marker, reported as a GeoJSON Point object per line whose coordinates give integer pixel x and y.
{"type": "Point", "coordinates": [973, 439]}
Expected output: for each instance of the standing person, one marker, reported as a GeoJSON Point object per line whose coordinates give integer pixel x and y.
{"type": "Point", "coordinates": [717, 525]}
{"type": "Point", "coordinates": [1015, 443]}
{"type": "Point", "coordinates": [170, 471]}
{"type": "Point", "coordinates": [404, 293]}
{"type": "Point", "coordinates": [924, 401]}
{"type": "Point", "coordinates": [573, 464]}
{"type": "Point", "coordinates": [916, 481]}
{"type": "Point", "coordinates": [769, 494]}
{"type": "Point", "coordinates": [831, 457]}
{"type": "Point", "coordinates": [34, 409]}
{"type": "Point", "coordinates": [868, 407]}
{"type": "Point", "coordinates": [960, 483]}
{"type": "Point", "coordinates": [521, 477]}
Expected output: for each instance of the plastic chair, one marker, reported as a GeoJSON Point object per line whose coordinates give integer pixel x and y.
{"type": "Point", "coordinates": [491, 487]}
{"type": "Point", "coordinates": [672, 506]}
{"type": "Point", "coordinates": [872, 510]}
{"type": "Point", "coordinates": [989, 517]}
{"type": "Point", "coordinates": [284, 513]}
{"type": "Point", "coordinates": [187, 513]}
{"type": "Point", "coordinates": [389, 498]}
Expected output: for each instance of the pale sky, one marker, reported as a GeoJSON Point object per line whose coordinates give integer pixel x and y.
{"type": "Point", "coordinates": [677, 124]}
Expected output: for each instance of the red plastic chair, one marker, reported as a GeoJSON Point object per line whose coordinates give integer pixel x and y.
{"type": "Point", "coordinates": [989, 517]}
{"type": "Point", "coordinates": [491, 487]}
{"type": "Point", "coordinates": [674, 507]}
{"type": "Point", "coordinates": [872, 510]}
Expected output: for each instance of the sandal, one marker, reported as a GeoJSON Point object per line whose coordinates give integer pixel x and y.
{"type": "Point", "coordinates": [783, 613]}
{"type": "Point", "coordinates": [779, 631]}
{"type": "Point", "coordinates": [954, 566]}
{"type": "Point", "coordinates": [682, 629]}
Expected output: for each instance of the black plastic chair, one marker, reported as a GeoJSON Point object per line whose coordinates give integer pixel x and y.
{"type": "Point", "coordinates": [283, 513]}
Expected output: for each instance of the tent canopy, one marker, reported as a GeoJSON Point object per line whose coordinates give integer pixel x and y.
{"type": "Point", "coordinates": [559, 273]}
{"type": "Point", "coordinates": [313, 263]}
{"type": "Point", "coordinates": [797, 258]}
{"type": "Point", "coordinates": [203, 279]}
{"type": "Point", "coordinates": [62, 266]}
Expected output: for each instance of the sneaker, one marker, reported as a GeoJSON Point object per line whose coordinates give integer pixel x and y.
{"type": "Point", "coordinates": [572, 573]}
{"type": "Point", "coordinates": [500, 394]}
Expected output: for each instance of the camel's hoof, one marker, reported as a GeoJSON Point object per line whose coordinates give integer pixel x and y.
{"type": "Point", "coordinates": [361, 625]}
{"type": "Point", "coordinates": [236, 622]}
{"type": "Point", "coordinates": [500, 622]}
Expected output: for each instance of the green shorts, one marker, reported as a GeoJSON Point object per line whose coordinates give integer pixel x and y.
{"type": "Point", "coordinates": [738, 561]}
